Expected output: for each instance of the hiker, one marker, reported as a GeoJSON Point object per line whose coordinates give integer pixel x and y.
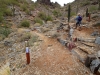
{"type": "Point", "coordinates": [78, 20]}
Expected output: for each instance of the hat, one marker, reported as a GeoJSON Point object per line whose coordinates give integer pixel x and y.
{"type": "Point", "coordinates": [78, 13]}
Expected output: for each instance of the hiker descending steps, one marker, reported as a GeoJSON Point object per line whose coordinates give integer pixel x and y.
{"type": "Point", "coordinates": [78, 20]}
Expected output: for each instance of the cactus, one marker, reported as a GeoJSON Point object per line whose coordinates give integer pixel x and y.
{"type": "Point", "coordinates": [99, 4]}
{"type": "Point", "coordinates": [69, 11]}
{"type": "Point", "coordinates": [87, 14]}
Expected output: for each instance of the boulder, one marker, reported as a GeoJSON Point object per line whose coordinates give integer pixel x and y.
{"type": "Point", "coordinates": [95, 33]}
{"type": "Point", "coordinates": [97, 40]}
{"type": "Point", "coordinates": [96, 23]}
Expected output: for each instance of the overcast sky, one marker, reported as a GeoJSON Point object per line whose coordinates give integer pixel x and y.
{"type": "Point", "coordinates": [61, 2]}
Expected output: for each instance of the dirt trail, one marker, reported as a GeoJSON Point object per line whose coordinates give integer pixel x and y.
{"type": "Point", "coordinates": [51, 58]}
{"type": "Point", "coordinates": [55, 59]}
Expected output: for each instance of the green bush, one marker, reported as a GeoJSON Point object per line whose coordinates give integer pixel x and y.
{"type": "Point", "coordinates": [32, 7]}
{"type": "Point", "coordinates": [93, 8]}
{"type": "Point", "coordinates": [24, 7]}
{"type": "Point", "coordinates": [73, 14]}
{"type": "Point", "coordinates": [56, 13]}
{"type": "Point", "coordinates": [25, 23]}
{"type": "Point", "coordinates": [85, 3]}
{"type": "Point", "coordinates": [27, 12]}
{"type": "Point", "coordinates": [48, 18]}
{"type": "Point", "coordinates": [33, 39]}
{"type": "Point", "coordinates": [38, 20]}
{"type": "Point", "coordinates": [8, 12]}
{"type": "Point", "coordinates": [25, 36]}
{"type": "Point", "coordinates": [42, 15]}
{"type": "Point", "coordinates": [2, 37]}
{"type": "Point", "coordinates": [10, 2]}
{"type": "Point", "coordinates": [45, 17]}
{"type": "Point", "coordinates": [5, 31]}
{"type": "Point", "coordinates": [1, 17]}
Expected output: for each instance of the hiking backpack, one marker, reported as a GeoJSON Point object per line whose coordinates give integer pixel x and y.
{"type": "Point", "coordinates": [79, 18]}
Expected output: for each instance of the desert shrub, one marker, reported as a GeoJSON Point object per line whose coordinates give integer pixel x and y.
{"type": "Point", "coordinates": [56, 13]}
{"type": "Point", "coordinates": [33, 39]}
{"type": "Point", "coordinates": [42, 15]}
{"type": "Point", "coordinates": [27, 12]}
{"type": "Point", "coordinates": [25, 36]}
{"type": "Point", "coordinates": [5, 31]}
{"type": "Point", "coordinates": [38, 20]}
{"type": "Point", "coordinates": [48, 18]}
{"type": "Point", "coordinates": [93, 8]}
{"type": "Point", "coordinates": [85, 3]}
{"type": "Point", "coordinates": [25, 23]}
{"type": "Point", "coordinates": [10, 2]}
{"type": "Point", "coordinates": [32, 6]}
{"type": "Point", "coordinates": [2, 37]}
{"type": "Point", "coordinates": [45, 17]}
{"type": "Point", "coordinates": [1, 17]}
{"type": "Point", "coordinates": [24, 7]}
{"type": "Point", "coordinates": [5, 70]}
{"type": "Point", "coordinates": [73, 14]}
{"type": "Point", "coordinates": [8, 12]}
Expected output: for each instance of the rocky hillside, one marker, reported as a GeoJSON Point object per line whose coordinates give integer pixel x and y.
{"type": "Point", "coordinates": [44, 24]}
{"type": "Point", "coordinates": [80, 6]}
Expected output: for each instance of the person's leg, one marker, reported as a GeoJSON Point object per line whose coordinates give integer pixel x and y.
{"type": "Point", "coordinates": [79, 26]}
{"type": "Point", "coordinates": [80, 23]}
{"type": "Point", "coordinates": [76, 24]}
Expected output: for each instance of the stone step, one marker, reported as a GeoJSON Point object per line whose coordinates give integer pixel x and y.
{"type": "Point", "coordinates": [80, 54]}
{"type": "Point", "coordinates": [86, 49]}
{"type": "Point", "coordinates": [90, 40]}
{"type": "Point", "coordinates": [89, 44]}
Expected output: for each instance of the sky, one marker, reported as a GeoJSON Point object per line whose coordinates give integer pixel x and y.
{"type": "Point", "coordinates": [61, 2]}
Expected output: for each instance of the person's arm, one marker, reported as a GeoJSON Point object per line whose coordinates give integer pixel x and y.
{"type": "Point", "coordinates": [76, 18]}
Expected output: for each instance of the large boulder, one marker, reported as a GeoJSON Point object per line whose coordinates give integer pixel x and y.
{"type": "Point", "coordinates": [96, 23]}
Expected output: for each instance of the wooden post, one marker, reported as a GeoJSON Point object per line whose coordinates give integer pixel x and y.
{"type": "Point", "coordinates": [27, 52]}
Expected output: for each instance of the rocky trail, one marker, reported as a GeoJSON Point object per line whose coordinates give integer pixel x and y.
{"type": "Point", "coordinates": [52, 50]}
{"type": "Point", "coordinates": [52, 58]}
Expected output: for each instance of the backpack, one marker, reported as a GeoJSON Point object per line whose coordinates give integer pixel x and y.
{"type": "Point", "coordinates": [79, 18]}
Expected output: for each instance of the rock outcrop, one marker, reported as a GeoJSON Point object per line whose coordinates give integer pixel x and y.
{"type": "Point", "coordinates": [47, 2]}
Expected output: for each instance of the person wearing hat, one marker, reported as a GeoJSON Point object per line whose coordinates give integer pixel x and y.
{"type": "Point", "coordinates": [78, 20]}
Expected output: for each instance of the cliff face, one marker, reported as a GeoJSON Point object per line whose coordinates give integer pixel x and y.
{"type": "Point", "coordinates": [47, 2]}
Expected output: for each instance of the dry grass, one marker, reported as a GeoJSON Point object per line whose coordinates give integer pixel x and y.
{"type": "Point", "coordinates": [5, 70]}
